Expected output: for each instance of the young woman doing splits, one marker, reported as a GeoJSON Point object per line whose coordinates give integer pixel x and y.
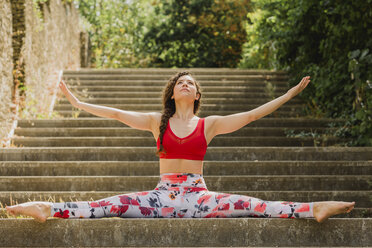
{"type": "Point", "coordinates": [182, 140]}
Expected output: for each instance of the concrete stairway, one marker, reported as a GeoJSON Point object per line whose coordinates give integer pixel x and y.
{"type": "Point", "coordinates": [84, 157]}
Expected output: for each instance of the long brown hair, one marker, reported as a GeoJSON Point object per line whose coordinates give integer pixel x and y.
{"type": "Point", "coordinates": [169, 106]}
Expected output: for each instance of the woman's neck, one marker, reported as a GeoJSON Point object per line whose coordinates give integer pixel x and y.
{"type": "Point", "coordinates": [184, 111]}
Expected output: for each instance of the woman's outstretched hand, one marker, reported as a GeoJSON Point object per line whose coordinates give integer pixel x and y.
{"type": "Point", "coordinates": [70, 97]}
{"type": "Point", "coordinates": [299, 87]}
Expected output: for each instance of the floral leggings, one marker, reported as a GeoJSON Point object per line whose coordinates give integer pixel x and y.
{"type": "Point", "coordinates": [181, 195]}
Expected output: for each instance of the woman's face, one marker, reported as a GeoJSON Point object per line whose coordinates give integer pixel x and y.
{"type": "Point", "coordinates": [185, 88]}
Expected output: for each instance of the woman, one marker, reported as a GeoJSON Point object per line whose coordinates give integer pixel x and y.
{"type": "Point", "coordinates": [182, 139]}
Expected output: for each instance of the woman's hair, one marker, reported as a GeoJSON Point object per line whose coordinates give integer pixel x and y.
{"type": "Point", "coordinates": [169, 106]}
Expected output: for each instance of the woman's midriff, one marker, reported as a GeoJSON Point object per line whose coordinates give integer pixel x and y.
{"type": "Point", "coordinates": [181, 166]}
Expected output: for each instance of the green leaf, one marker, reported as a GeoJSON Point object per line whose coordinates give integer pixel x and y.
{"type": "Point", "coordinates": [364, 53]}
{"type": "Point", "coordinates": [354, 54]}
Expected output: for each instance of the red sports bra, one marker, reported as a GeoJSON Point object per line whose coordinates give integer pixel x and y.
{"type": "Point", "coordinates": [193, 146]}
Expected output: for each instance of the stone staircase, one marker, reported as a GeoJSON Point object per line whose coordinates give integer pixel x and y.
{"type": "Point", "coordinates": [283, 156]}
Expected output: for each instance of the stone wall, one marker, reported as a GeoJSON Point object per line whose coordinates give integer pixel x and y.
{"type": "Point", "coordinates": [46, 39]}
{"type": "Point", "coordinates": [6, 67]}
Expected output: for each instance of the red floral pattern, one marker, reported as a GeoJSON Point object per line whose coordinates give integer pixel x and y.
{"type": "Point", "coordinates": [222, 195]}
{"type": "Point", "coordinates": [222, 207]}
{"type": "Point", "coordinates": [239, 204]}
{"type": "Point", "coordinates": [100, 204]}
{"type": "Point", "coordinates": [167, 211]}
{"type": "Point", "coordinates": [119, 210]}
{"type": "Point", "coordinates": [215, 215]}
{"type": "Point", "coordinates": [64, 214]}
{"type": "Point", "coordinates": [305, 207]}
{"type": "Point", "coordinates": [146, 211]}
{"type": "Point", "coordinates": [174, 178]}
{"type": "Point", "coordinates": [128, 200]}
{"type": "Point", "coordinates": [179, 195]}
{"type": "Point", "coordinates": [204, 199]}
{"type": "Point", "coordinates": [260, 208]}
{"type": "Point", "coordinates": [143, 193]}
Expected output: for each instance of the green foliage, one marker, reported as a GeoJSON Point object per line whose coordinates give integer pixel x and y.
{"type": "Point", "coordinates": [165, 33]}
{"type": "Point", "coordinates": [328, 40]}
{"type": "Point", "coordinates": [360, 64]}
{"type": "Point", "coordinates": [197, 33]}
{"type": "Point", "coordinates": [116, 31]}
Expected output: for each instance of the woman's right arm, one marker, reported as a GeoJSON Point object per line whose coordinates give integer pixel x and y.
{"type": "Point", "coordinates": [137, 120]}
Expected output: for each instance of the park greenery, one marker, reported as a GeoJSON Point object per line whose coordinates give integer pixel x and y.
{"type": "Point", "coordinates": [204, 33]}
{"type": "Point", "coordinates": [331, 41]}
{"type": "Point", "coordinates": [160, 33]}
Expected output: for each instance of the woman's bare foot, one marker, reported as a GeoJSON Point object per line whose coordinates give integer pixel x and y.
{"type": "Point", "coordinates": [324, 210]}
{"type": "Point", "coordinates": [38, 210]}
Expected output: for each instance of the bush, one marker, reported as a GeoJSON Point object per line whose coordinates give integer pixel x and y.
{"type": "Point", "coordinates": [327, 40]}
{"type": "Point", "coordinates": [197, 33]}
{"type": "Point", "coordinates": [116, 30]}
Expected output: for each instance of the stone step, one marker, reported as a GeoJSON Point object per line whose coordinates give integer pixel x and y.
{"type": "Point", "coordinates": [74, 172]}
{"type": "Point", "coordinates": [202, 113]}
{"type": "Point", "coordinates": [151, 168]}
{"type": "Point", "coordinates": [213, 153]}
{"type": "Point", "coordinates": [172, 71]}
{"type": "Point", "coordinates": [362, 198]}
{"type": "Point", "coordinates": [140, 88]}
{"type": "Point", "coordinates": [165, 77]}
{"type": "Point", "coordinates": [158, 94]}
{"type": "Point", "coordinates": [161, 82]}
{"type": "Point", "coordinates": [106, 122]}
{"type": "Point", "coordinates": [202, 232]}
{"type": "Point", "coordinates": [150, 141]}
{"type": "Point", "coordinates": [132, 132]}
{"type": "Point", "coordinates": [205, 107]}
{"type": "Point", "coordinates": [214, 183]}
{"type": "Point", "coordinates": [159, 100]}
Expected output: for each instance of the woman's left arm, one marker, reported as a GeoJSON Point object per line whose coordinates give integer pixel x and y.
{"type": "Point", "coordinates": [231, 123]}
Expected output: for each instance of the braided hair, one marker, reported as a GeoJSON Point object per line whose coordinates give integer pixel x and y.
{"type": "Point", "coordinates": [169, 106]}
